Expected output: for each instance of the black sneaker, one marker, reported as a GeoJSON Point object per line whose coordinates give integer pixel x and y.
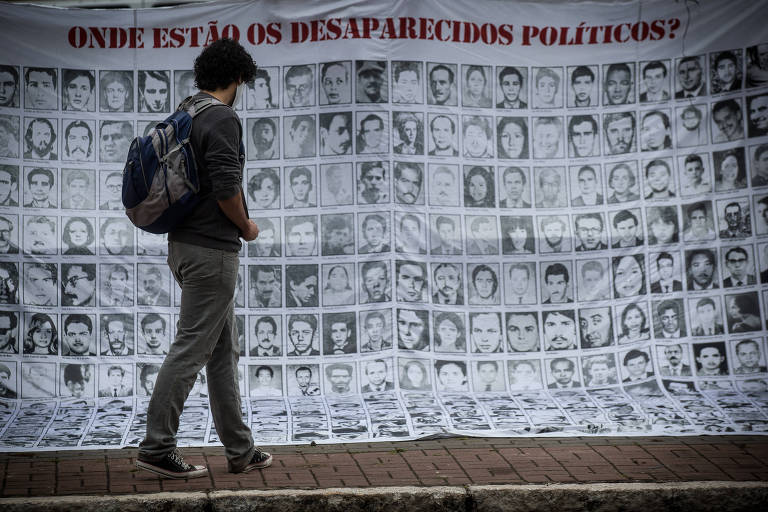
{"type": "Point", "coordinates": [260, 460]}
{"type": "Point", "coordinates": [173, 466]}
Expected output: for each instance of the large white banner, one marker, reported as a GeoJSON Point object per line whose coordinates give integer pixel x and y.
{"type": "Point", "coordinates": [477, 217]}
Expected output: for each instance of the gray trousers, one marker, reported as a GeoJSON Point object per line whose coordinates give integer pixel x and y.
{"type": "Point", "coordinates": [206, 335]}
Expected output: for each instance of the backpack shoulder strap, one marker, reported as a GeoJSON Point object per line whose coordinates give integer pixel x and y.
{"type": "Point", "coordinates": [195, 106]}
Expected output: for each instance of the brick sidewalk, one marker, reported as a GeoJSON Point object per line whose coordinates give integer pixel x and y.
{"type": "Point", "coordinates": [455, 461]}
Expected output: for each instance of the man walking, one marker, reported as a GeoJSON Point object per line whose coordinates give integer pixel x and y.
{"type": "Point", "coordinates": [203, 256]}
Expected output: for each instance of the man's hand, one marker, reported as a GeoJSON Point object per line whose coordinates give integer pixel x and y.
{"type": "Point", "coordinates": [250, 232]}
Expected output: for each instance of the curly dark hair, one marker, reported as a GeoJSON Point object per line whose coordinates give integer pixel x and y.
{"type": "Point", "coordinates": [223, 62]}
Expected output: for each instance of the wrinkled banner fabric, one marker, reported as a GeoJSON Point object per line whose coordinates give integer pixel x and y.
{"type": "Point", "coordinates": [480, 218]}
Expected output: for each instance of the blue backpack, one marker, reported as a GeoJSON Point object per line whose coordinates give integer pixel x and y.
{"type": "Point", "coordinates": [160, 182]}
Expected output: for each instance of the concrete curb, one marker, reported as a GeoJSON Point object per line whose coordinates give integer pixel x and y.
{"type": "Point", "coordinates": [603, 497]}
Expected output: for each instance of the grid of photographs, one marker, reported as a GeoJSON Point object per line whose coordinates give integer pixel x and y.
{"type": "Point", "coordinates": [444, 247]}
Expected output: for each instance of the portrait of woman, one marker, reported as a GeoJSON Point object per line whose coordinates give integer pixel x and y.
{"type": "Point", "coordinates": [259, 95]}
{"type": "Point", "coordinates": [78, 236]}
{"type": "Point", "coordinates": [449, 333]}
{"type": "Point", "coordinates": [517, 233]}
{"type": "Point", "coordinates": [512, 136]}
{"type": "Point", "coordinates": [743, 313]}
{"type": "Point", "coordinates": [634, 324]}
{"type": "Point", "coordinates": [730, 169]}
{"type": "Point", "coordinates": [413, 376]}
{"type": "Point", "coordinates": [628, 276]}
{"type": "Point", "coordinates": [451, 376]}
{"type": "Point", "coordinates": [476, 91]}
{"type": "Point", "coordinates": [338, 290]}
{"type": "Point", "coordinates": [41, 337]}
{"type": "Point", "coordinates": [479, 190]}
{"type": "Point", "coordinates": [264, 189]}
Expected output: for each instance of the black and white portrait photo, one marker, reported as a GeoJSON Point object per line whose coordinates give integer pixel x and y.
{"type": "Point", "coordinates": [444, 185]}
{"type": "Point", "coordinates": [9, 136]}
{"type": "Point", "coordinates": [550, 187]}
{"type": "Point", "coordinates": [375, 282]}
{"type": "Point", "coordinates": [299, 137]}
{"type": "Point", "coordinates": [632, 322]}
{"type": "Point", "coordinates": [303, 335]}
{"type": "Point", "coordinates": [153, 285]}
{"type": "Point", "coordinates": [583, 136]}
{"type": "Point", "coordinates": [303, 379]}
{"type": "Point", "coordinates": [477, 136]}
{"type": "Point", "coordinates": [9, 86]}
{"type": "Point", "coordinates": [372, 133]}
{"type": "Point", "coordinates": [691, 77]}
{"type": "Point", "coordinates": [40, 187]}
{"type": "Point", "coordinates": [524, 374]}
{"type": "Point", "coordinates": [373, 182]}
{"type": "Point", "coordinates": [407, 84]}
{"type": "Point", "coordinates": [655, 130]}
{"type": "Point", "coordinates": [78, 190]}
{"type": "Point", "coordinates": [116, 380]}
{"type": "Point", "coordinates": [445, 235]}
{"type": "Point", "coordinates": [117, 334]}
{"type": "Point", "coordinates": [265, 286]}
{"type": "Point", "coordinates": [374, 233]}
{"type": "Point", "coordinates": [41, 138]}
{"type": "Point", "coordinates": [749, 356]}
{"type": "Point", "coordinates": [730, 169]}
{"type": "Point", "coordinates": [117, 284]}
{"type": "Point", "coordinates": [596, 327]}
{"type": "Point", "coordinates": [599, 370]}
{"type": "Point", "coordinates": [546, 85]}
{"type": "Point", "coordinates": [590, 232]}
{"type": "Point", "coordinates": [411, 281]}
{"type": "Point", "coordinates": [375, 330]}
{"type": "Point", "coordinates": [583, 86]}
{"type": "Point", "coordinates": [110, 190]}
{"type": "Point", "coordinates": [41, 335]}
{"type": "Point", "coordinates": [264, 188]}
{"type": "Point", "coordinates": [483, 234]}
{"type": "Point", "coordinates": [618, 83]}
{"type": "Point", "coordinates": [338, 284]}
{"type": "Point", "coordinates": [554, 234]}
{"type": "Point", "coordinates": [413, 329]}
{"type": "Point", "coordinates": [155, 334]}
{"type": "Point", "coordinates": [706, 316]}
{"type": "Point", "coordinates": [9, 234]}
{"type": "Point", "coordinates": [116, 91]}
{"type": "Point", "coordinates": [408, 133]}
{"type": "Point", "coordinates": [623, 182]}
{"type": "Point", "coordinates": [184, 84]}
{"type": "Point", "coordinates": [117, 237]}
{"type": "Point", "coordinates": [40, 235]}
{"type": "Point", "coordinates": [336, 83]}
{"type": "Point", "coordinates": [372, 84]}
{"type": "Point", "coordinates": [586, 185]}
{"type": "Point", "coordinates": [300, 189]}
{"type": "Point", "coordinates": [301, 236]}
{"type": "Point", "coordinates": [79, 142]}
{"type": "Point", "coordinates": [78, 284]}
{"type": "Point", "coordinates": [447, 283]}
{"type": "Point", "coordinates": [265, 380]}
{"type": "Point", "coordinates": [483, 284]}
{"type": "Point", "coordinates": [301, 286]}
{"type": "Point", "coordinates": [337, 184]}
{"type": "Point", "coordinates": [694, 173]}
{"type": "Point", "coordinates": [410, 233]}
{"type": "Point", "coordinates": [269, 242]}
{"type": "Point", "coordinates": [619, 129]}
{"type": "Point", "coordinates": [692, 126]}
{"type": "Point", "coordinates": [665, 272]}
{"type": "Point", "coordinates": [669, 319]}
{"type": "Point", "coordinates": [38, 380]}
{"type": "Point", "coordinates": [711, 359]}
{"type": "Point", "coordinates": [264, 137]}
{"type": "Point", "coordinates": [626, 228]}
{"type": "Point", "coordinates": [733, 218]}
{"type": "Point", "coordinates": [77, 380]}
{"type": "Point", "coordinates": [114, 140]}
{"type": "Point", "coordinates": [335, 135]}
{"type": "Point", "coordinates": [517, 234]}
{"type": "Point", "coordinates": [299, 86]}
{"type": "Point", "coordinates": [727, 120]}
{"type": "Point", "coordinates": [339, 334]}
{"type": "Point", "coordinates": [443, 138]}
{"type": "Point", "coordinates": [629, 279]}
{"type": "Point", "coordinates": [408, 182]}
{"type": "Point", "coordinates": [449, 332]}
{"type": "Point", "coordinates": [636, 365]}
{"type": "Point", "coordinates": [486, 333]}
{"type": "Point", "coordinates": [738, 266]}
{"type": "Point", "coordinates": [742, 312]}
{"type": "Point", "coordinates": [725, 69]}
{"type": "Point", "coordinates": [9, 324]}
{"type": "Point", "coordinates": [520, 283]}
{"type": "Point", "coordinates": [340, 378]}
{"type": "Point", "coordinates": [654, 81]}
{"type": "Point", "coordinates": [556, 283]}
{"type": "Point", "coordinates": [154, 91]}
{"type": "Point", "coordinates": [515, 187]}
{"type": "Point", "coordinates": [548, 139]}
{"type": "Point", "coordinates": [593, 279]}
{"type": "Point", "coordinates": [41, 88]}
{"type": "Point", "coordinates": [562, 373]}
{"type": "Point", "coordinates": [663, 225]}
{"type": "Point", "coordinates": [265, 336]}
{"type": "Point", "coordinates": [757, 111]}
{"type": "Point", "coordinates": [476, 86]}
{"type": "Point", "coordinates": [442, 86]}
